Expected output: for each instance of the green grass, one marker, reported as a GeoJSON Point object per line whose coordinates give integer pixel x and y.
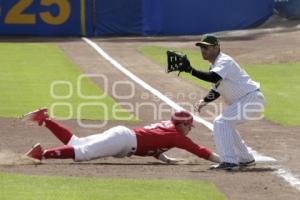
{"type": "Point", "coordinates": [280, 83]}
{"type": "Point", "coordinates": [28, 187]}
{"type": "Point", "coordinates": [27, 72]}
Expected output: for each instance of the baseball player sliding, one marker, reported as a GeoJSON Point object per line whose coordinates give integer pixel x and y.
{"type": "Point", "coordinates": [242, 94]}
{"type": "Point", "coordinates": [121, 141]}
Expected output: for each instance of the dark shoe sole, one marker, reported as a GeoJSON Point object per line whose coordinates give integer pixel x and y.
{"type": "Point", "coordinates": [229, 168]}
{"type": "Point", "coordinates": [248, 164]}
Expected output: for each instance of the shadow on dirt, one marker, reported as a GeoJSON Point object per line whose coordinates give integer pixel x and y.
{"type": "Point", "coordinates": [256, 170]}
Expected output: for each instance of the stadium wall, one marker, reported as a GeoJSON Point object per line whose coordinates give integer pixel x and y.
{"type": "Point", "coordinates": [289, 9]}
{"type": "Point", "coordinates": [129, 17]}
{"type": "Point", "coordinates": [46, 17]}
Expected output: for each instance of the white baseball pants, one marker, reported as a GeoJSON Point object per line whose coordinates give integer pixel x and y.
{"type": "Point", "coordinates": [118, 142]}
{"type": "Point", "coordinates": [229, 143]}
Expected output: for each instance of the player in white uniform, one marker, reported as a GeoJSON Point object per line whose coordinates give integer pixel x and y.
{"type": "Point", "coordinates": [243, 96]}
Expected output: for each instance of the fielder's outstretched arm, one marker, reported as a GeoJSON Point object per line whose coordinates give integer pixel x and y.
{"type": "Point", "coordinates": [212, 77]}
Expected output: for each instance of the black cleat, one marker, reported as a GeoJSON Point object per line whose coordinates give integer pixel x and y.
{"type": "Point", "coordinates": [226, 166]}
{"type": "Point", "coordinates": [247, 164]}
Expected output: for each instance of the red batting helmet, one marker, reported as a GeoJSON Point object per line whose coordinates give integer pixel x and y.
{"type": "Point", "coordinates": [182, 117]}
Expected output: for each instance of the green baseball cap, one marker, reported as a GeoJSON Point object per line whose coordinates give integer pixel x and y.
{"type": "Point", "coordinates": [208, 40]}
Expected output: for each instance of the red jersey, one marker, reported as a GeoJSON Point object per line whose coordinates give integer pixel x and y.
{"type": "Point", "coordinates": [157, 138]}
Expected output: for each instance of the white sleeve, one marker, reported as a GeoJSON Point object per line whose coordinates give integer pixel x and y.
{"type": "Point", "coordinates": [222, 69]}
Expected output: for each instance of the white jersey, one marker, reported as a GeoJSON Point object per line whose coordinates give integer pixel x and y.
{"type": "Point", "coordinates": [235, 82]}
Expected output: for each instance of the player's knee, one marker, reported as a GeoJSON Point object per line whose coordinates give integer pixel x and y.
{"type": "Point", "coordinates": [218, 120]}
{"type": "Point", "coordinates": [82, 154]}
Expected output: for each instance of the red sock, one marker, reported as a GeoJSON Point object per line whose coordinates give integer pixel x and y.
{"type": "Point", "coordinates": [60, 132]}
{"type": "Point", "coordinates": [62, 152]}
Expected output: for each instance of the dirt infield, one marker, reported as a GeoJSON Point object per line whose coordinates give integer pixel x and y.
{"type": "Point", "coordinates": [265, 137]}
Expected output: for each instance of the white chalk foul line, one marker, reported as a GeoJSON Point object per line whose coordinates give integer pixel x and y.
{"type": "Point", "coordinates": [284, 174]}
{"type": "Point", "coordinates": [288, 177]}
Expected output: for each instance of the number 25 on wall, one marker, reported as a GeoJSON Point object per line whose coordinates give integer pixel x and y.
{"type": "Point", "coordinates": [16, 16]}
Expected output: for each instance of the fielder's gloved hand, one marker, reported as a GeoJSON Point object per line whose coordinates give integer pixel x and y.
{"type": "Point", "coordinates": [185, 65]}
{"type": "Point", "coordinates": [178, 62]}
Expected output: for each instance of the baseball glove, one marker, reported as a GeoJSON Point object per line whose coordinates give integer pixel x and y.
{"type": "Point", "coordinates": [178, 62]}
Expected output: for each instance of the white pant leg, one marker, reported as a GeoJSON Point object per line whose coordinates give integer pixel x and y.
{"type": "Point", "coordinates": [251, 108]}
{"type": "Point", "coordinates": [241, 149]}
{"type": "Point", "coordinates": [118, 142]}
{"type": "Point", "coordinates": [77, 141]}
{"type": "Point", "coordinates": [229, 144]}
{"type": "Point", "coordinates": [223, 138]}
